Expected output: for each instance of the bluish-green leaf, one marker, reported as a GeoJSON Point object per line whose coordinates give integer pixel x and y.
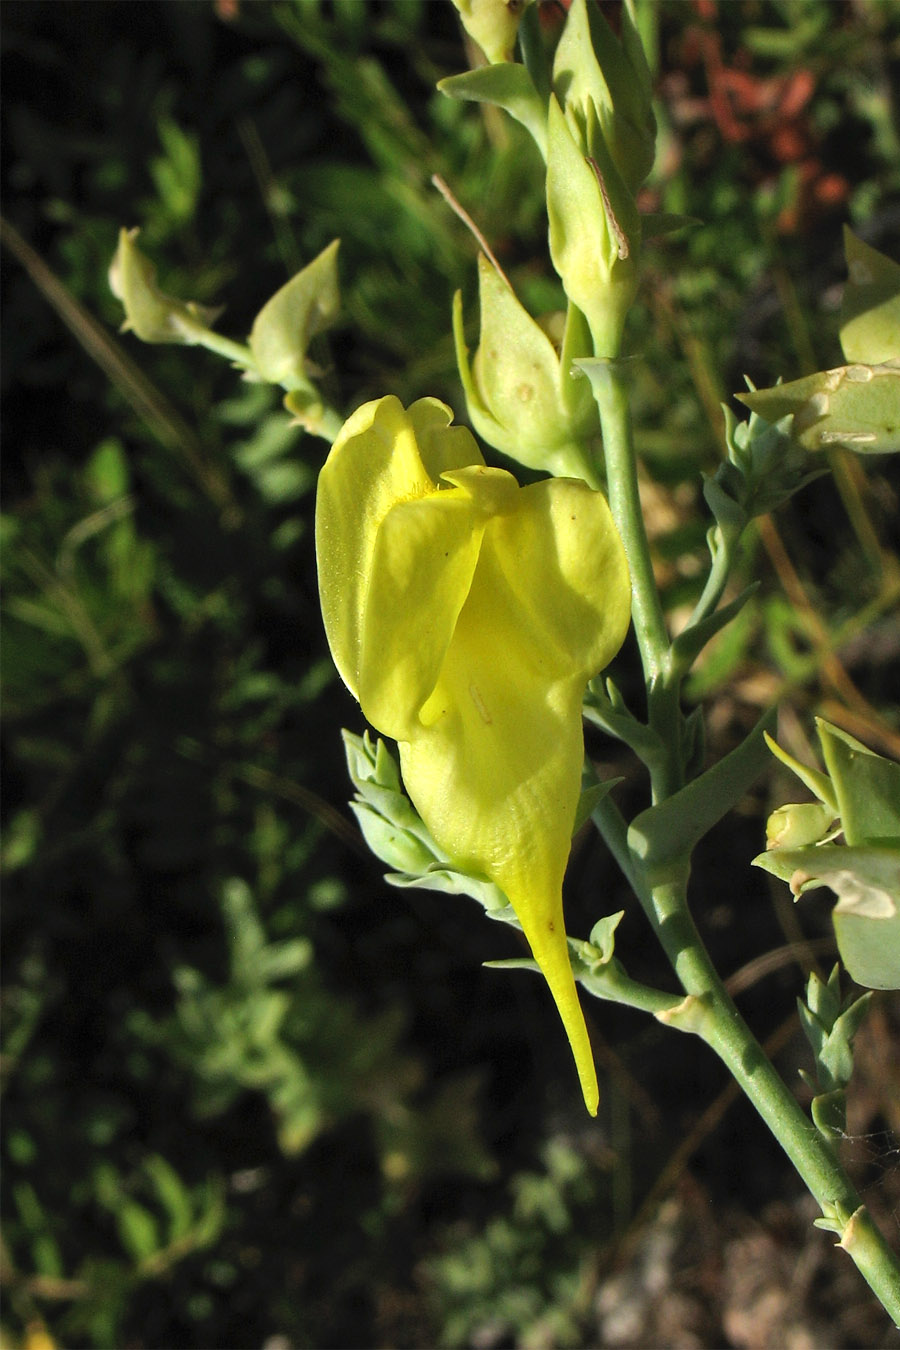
{"type": "Point", "coordinates": [867, 787]}
{"type": "Point", "coordinates": [668, 832]}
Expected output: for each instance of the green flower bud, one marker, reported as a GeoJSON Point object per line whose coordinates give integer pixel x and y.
{"type": "Point", "coordinates": [798, 824]}
{"type": "Point", "coordinates": [492, 24]}
{"type": "Point", "coordinates": [304, 306]}
{"type": "Point", "coordinates": [150, 314]}
{"type": "Point", "coordinates": [765, 467]}
{"type": "Point", "coordinates": [523, 399]}
{"type": "Point", "coordinates": [604, 84]}
{"type": "Point", "coordinates": [594, 226]}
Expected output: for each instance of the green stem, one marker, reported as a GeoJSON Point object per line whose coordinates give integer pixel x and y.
{"type": "Point", "coordinates": [719, 572]}
{"type": "Point", "coordinates": [614, 831]}
{"type": "Point", "coordinates": [328, 425]}
{"type": "Point", "coordinates": [609, 383]}
{"type": "Point", "coordinates": [325, 422]}
{"type": "Point", "coordinates": [608, 380]}
{"type": "Point", "coordinates": [708, 1010]}
{"type": "Point", "coordinates": [719, 1023]}
{"type": "Point", "coordinates": [236, 352]}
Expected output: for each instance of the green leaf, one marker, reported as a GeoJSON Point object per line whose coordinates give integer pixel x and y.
{"type": "Point", "coordinates": [690, 642]}
{"type": "Point", "coordinates": [667, 833]}
{"type": "Point", "coordinates": [137, 1230]}
{"type": "Point", "coordinates": [854, 407]}
{"type": "Point", "coordinates": [869, 948]}
{"type": "Point", "coordinates": [507, 85]}
{"type": "Point", "coordinates": [866, 880]}
{"type": "Point", "coordinates": [173, 1195]}
{"type": "Point", "coordinates": [870, 310]}
{"type": "Point", "coordinates": [829, 1113]}
{"type": "Point", "coordinates": [591, 797]}
{"type": "Point", "coordinates": [867, 787]}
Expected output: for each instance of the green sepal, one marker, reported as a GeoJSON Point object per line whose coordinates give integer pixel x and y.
{"type": "Point", "coordinates": [603, 936]}
{"type": "Point", "coordinates": [507, 85]}
{"type": "Point", "coordinates": [819, 783]}
{"type": "Point", "coordinates": [304, 306]}
{"type": "Point", "coordinates": [444, 877]}
{"type": "Point", "coordinates": [376, 777]}
{"type": "Point", "coordinates": [870, 309]}
{"type": "Point", "coordinates": [853, 407]}
{"type": "Point", "coordinates": [666, 834]}
{"type": "Point", "coordinates": [398, 848]}
{"type": "Point", "coordinates": [150, 314]}
{"type": "Point", "coordinates": [391, 826]}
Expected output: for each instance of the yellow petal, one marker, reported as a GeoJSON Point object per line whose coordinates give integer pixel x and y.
{"type": "Point", "coordinates": [495, 769]}
{"type": "Point", "coordinates": [422, 568]}
{"type": "Point", "coordinates": [442, 447]}
{"type": "Point", "coordinates": [375, 463]}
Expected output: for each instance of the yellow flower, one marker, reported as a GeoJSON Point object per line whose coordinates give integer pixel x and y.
{"type": "Point", "coordinates": [466, 615]}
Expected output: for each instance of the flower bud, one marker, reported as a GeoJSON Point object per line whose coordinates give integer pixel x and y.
{"type": "Point", "coordinates": [304, 306]}
{"type": "Point", "coordinates": [150, 314]}
{"type": "Point", "coordinates": [492, 24]}
{"type": "Point", "coordinates": [594, 226]}
{"type": "Point", "coordinates": [603, 83]}
{"type": "Point", "coordinates": [798, 824]}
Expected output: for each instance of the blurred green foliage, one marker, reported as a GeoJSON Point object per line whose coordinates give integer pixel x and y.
{"type": "Point", "coordinates": [247, 1089]}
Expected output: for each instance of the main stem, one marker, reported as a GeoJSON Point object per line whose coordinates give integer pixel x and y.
{"type": "Point", "coordinates": [609, 382]}
{"type": "Point", "coordinates": [710, 1011]}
